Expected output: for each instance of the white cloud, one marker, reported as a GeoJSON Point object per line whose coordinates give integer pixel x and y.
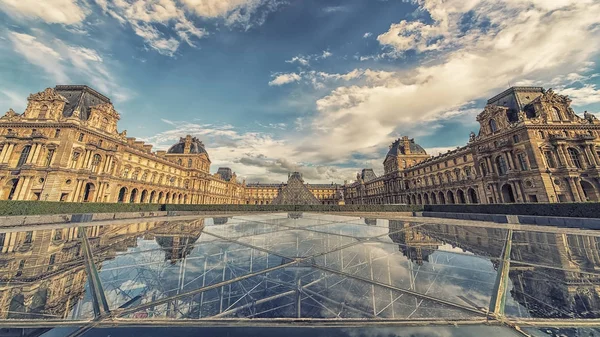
{"type": "Point", "coordinates": [282, 79]}
{"type": "Point", "coordinates": [64, 62]}
{"type": "Point", "coordinates": [588, 94]}
{"type": "Point", "coordinates": [367, 35]}
{"type": "Point", "coordinates": [39, 54]}
{"type": "Point", "coordinates": [469, 66]}
{"type": "Point", "coordinates": [145, 16]}
{"type": "Point", "coordinates": [254, 156]}
{"type": "Point", "coordinates": [245, 13]}
{"type": "Point", "coordinates": [12, 99]}
{"type": "Point", "coordinates": [51, 11]}
{"type": "Point", "coordinates": [302, 60]}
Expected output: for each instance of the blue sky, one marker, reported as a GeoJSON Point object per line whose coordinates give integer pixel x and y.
{"type": "Point", "coordinates": [319, 86]}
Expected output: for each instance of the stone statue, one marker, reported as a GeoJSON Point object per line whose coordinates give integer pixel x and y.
{"type": "Point", "coordinates": [589, 117]}
{"type": "Point", "coordinates": [472, 136]}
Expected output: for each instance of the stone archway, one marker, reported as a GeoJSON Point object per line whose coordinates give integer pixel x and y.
{"type": "Point", "coordinates": [442, 198]}
{"type": "Point", "coordinates": [508, 195]}
{"type": "Point", "coordinates": [122, 194]}
{"type": "Point", "coordinates": [88, 192]}
{"type": "Point", "coordinates": [589, 191]}
{"type": "Point", "coordinates": [426, 198]}
{"type": "Point", "coordinates": [451, 197]}
{"type": "Point", "coordinates": [473, 196]}
{"type": "Point", "coordinates": [152, 197]}
{"type": "Point", "coordinates": [144, 196]}
{"type": "Point", "coordinates": [433, 198]}
{"type": "Point", "coordinates": [133, 195]}
{"type": "Point", "coordinates": [419, 200]}
{"type": "Point", "coordinates": [460, 196]}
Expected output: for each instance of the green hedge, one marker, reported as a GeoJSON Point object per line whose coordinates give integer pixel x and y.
{"type": "Point", "coordinates": [47, 207]}
{"type": "Point", "coordinates": [579, 210]}
{"type": "Point", "coordinates": [8, 207]}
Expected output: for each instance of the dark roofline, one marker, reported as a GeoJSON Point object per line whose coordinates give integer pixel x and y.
{"type": "Point", "coordinates": [84, 88]}
{"type": "Point", "coordinates": [514, 89]}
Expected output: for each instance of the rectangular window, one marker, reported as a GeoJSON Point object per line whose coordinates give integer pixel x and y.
{"type": "Point", "coordinates": [549, 159]}
{"type": "Point", "coordinates": [80, 137]}
{"type": "Point", "coordinates": [522, 161]}
{"type": "Point", "coordinates": [516, 138]}
{"type": "Point", "coordinates": [28, 237]}
{"type": "Point", "coordinates": [533, 198]}
{"type": "Point", "coordinates": [57, 133]}
{"type": "Point", "coordinates": [49, 157]}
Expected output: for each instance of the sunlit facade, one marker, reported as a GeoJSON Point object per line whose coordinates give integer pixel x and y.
{"type": "Point", "coordinates": [531, 147]}
{"type": "Point", "coordinates": [66, 147]}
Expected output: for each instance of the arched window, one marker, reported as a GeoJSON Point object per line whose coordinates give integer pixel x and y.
{"type": "Point", "coordinates": [24, 155]}
{"type": "Point", "coordinates": [178, 161]}
{"type": "Point", "coordinates": [135, 175]}
{"type": "Point", "coordinates": [43, 112]}
{"type": "Point", "coordinates": [95, 162]}
{"type": "Point", "coordinates": [493, 125]}
{"type": "Point", "coordinates": [468, 172]}
{"type": "Point", "coordinates": [501, 164]}
{"type": "Point", "coordinates": [574, 155]}
{"type": "Point", "coordinates": [555, 114]}
{"type": "Point", "coordinates": [104, 124]}
{"type": "Point", "coordinates": [144, 176]}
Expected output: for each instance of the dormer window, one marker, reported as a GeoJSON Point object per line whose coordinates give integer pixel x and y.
{"type": "Point", "coordinates": [493, 125]}
{"type": "Point", "coordinates": [43, 112]}
{"type": "Point", "coordinates": [555, 114]}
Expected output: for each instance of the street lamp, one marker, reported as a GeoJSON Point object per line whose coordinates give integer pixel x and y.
{"type": "Point", "coordinates": [552, 183]}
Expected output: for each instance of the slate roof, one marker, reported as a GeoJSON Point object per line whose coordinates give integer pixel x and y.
{"type": "Point", "coordinates": [80, 97]}
{"type": "Point", "coordinates": [397, 148]}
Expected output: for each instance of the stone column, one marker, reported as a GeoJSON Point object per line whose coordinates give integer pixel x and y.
{"type": "Point", "coordinates": [591, 162]}
{"type": "Point", "coordinates": [22, 190]}
{"type": "Point", "coordinates": [490, 164]}
{"type": "Point", "coordinates": [511, 164]}
{"type": "Point", "coordinates": [562, 156]}
{"type": "Point", "coordinates": [579, 189]}
{"type": "Point", "coordinates": [4, 152]}
{"type": "Point", "coordinates": [36, 154]}
{"type": "Point", "coordinates": [32, 151]}
{"type": "Point", "coordinates": [518, 194]}
{"type": "Point", "coordinates": [574, 189]}
{"type": "Point", "coordinates": [77, 190]}
{"type": "Point", "coordinates": [595, 159]}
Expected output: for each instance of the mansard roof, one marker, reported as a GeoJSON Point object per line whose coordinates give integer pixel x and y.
{"type": "Point", "coordinates": [196, 146]}
{"type": "Point", "coordinates": [80, 98]}
{"type": "Point", "coordinates": [397, 147]}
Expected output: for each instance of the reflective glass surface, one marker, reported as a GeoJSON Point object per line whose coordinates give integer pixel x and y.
{"type": "Point", "coordinates": [317, 268]}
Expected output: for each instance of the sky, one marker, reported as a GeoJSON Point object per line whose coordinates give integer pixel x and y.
{"type": "Point", "coordinates": [317, 86]}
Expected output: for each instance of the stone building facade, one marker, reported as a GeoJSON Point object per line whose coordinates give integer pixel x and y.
{"type": "Point", "coordinates": [264, 194]}
{"type": "Point", "coordinates": [531, 147]}
{"type": "Point", "coordinates": [66, 147]}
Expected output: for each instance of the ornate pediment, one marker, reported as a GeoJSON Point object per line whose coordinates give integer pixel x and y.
{"type": "Point", "coordinates": [11, 115]}
{"type": "Point", "coordinates": [47, 95]}
{"type": "Point", "coordinates": [551, 97]}
{"type": "Point", "coordinates": [108, 109]}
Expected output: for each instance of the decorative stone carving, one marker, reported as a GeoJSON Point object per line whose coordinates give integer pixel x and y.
{"type": "Point", "coordinates": [11, 115]}
{"type": "Point", "coordinates": [591, 118]}
{"type": "Point", "coordinates": [47, 95]}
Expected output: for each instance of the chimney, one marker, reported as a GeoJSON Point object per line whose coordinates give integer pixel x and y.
{"type": "Point", "coordinates": [406, 143]}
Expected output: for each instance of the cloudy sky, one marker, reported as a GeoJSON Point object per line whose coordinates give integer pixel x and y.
{"type": "Point", "coordinates": [318, 86]}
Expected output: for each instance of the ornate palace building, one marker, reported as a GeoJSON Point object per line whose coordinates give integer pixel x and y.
{"type": "Point", "coordinates": [66, 147]}
{"type": "Point", "coordinates": [531, 147]}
